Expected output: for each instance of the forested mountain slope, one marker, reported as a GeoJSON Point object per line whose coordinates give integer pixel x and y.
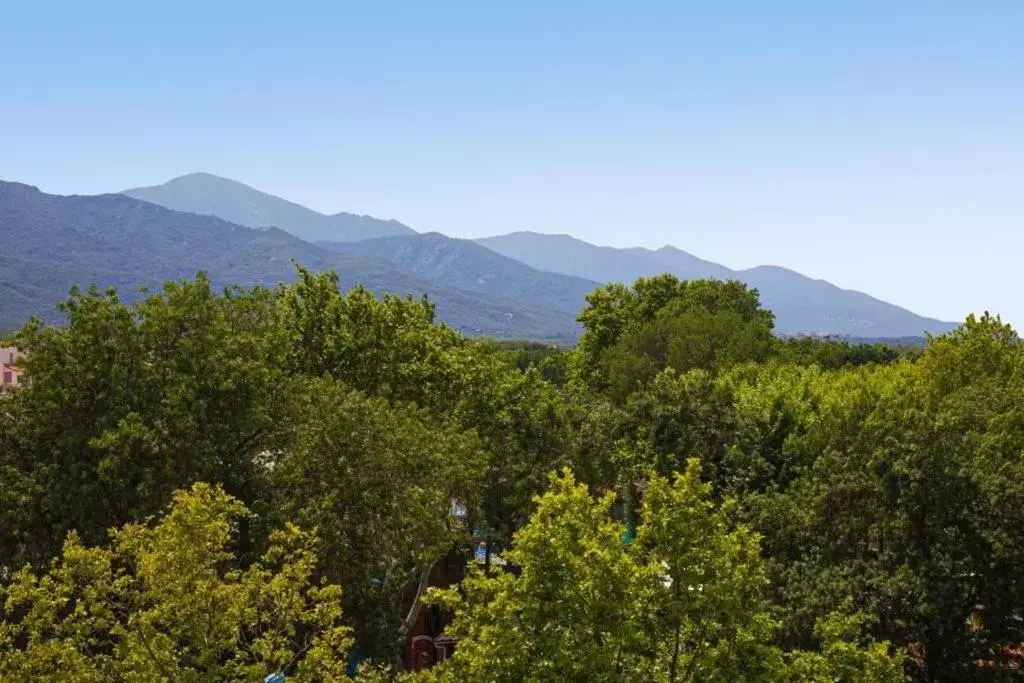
{"type": "Point", "coordinates": [53, 242]}
{"type": "Point", "coordinates": [471, 266]}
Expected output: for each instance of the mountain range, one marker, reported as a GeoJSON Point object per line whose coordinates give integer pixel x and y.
{"type": "Point", "coordinates": [524, 285]}
{"type": "Point", "coordinates": [52, 242]}
{"type": "Point", "coordinates": [801, 304]}
{"type": "Point", "coordinates": [471, 266]}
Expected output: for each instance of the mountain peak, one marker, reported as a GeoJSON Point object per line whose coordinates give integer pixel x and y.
{"type": "Point", "coordinates": [201, 179]}
{"type": "Point", "coordinates": [13, 186]}
{"type": "Point", "coordinates": [202, 175]}
{"type": "Point", "coordinates": [208, 194]}
{"type": "Point", "coordinates": [55, 242]}
{"type": "Point", "coordinates": [669, 249]}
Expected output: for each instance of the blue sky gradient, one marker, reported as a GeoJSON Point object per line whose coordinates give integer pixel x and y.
{"type": "Point", "coordinates": [878, 145]}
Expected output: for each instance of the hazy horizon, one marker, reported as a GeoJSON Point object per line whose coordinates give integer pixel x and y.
{"type": "Point", "coordinates": [877, 148]}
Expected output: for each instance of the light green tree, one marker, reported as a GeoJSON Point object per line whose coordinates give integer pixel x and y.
{"type": "Point", "coordinates": [577, 610]}
{"type": "Point", "coordinates": [710, 613]}
{"type": "Point", "coordinates": [169, 603]}
{"type": "Point", "coordinates": [842, 657]}
{"type": "Point", "coordinates": [686, 601]}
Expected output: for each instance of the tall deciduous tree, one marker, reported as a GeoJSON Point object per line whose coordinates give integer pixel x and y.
{"type": "Point", "coordinates": [574, 612]}
{"type": "Point", "coordinates": [169, 603]}
{"type": "Point", "coordinates": [376, 483]}
{"type": "Point", "coordinates": [389, 346]}
{"type": "Point", "coordinates": [686, 601]}
{"type": "Point", "coordinates": [631, 334]}
{"type": "Point", "coordinates": [124, 404]}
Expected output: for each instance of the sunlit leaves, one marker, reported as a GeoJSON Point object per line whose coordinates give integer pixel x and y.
{"type": "Point", "coordinates": [168, 602]}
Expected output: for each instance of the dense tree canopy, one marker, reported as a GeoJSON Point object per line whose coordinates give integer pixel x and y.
{"type": "Point", "coordinates": [683, 496]}
{"type": "Point", "coordinates": [376, 484]}
{"type": "Point", "coordinates": [168, 603]}
{"type": "Point", "coordinates": [632, 333]}
{"type": "Point", "coordinates": [686, 602]}
{"type": "Point", "coordinates": [129, 403]}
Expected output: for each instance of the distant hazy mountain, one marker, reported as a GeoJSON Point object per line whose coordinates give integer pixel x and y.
{"type": "Point", "coordinates": [519, 285]}
{"type": "Point", "coordinates": [52, 242]}
{"type": "Point", "coordinates": [210, 195]}
{"type": "Point", "coordinates": [568, 255]}
{"type": "Point", "coordinates": [471, 266]}
{"type": "Point", "coordinates": [801, 304]}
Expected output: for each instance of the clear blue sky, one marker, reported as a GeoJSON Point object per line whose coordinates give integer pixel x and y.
{"type": "Point", "coordinates": [878, 145]}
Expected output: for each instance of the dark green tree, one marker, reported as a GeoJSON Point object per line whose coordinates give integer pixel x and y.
{"type": "Point", "coordinates": [631, 334]}
{"type": "Point", "coordinates": [124, 404]}
{"type": "Point", "coordinates": [375, 483]}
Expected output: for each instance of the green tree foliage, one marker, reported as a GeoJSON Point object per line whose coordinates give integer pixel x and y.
{"type": "Point", "coordinates": [191, 385]}
{"type": "Point", "coordinates": [677, 417]}
{"type": "Point", "coordinates": [128, 403]}
{"type": "Point", "coordinates": [843, 656]}
{"type": "Point", "coordinates": [390, 347]}
{"type": "Point", "coordinates": [633, 333]}
{"type": "Point", "coordinates": [686, 602]}
{"type": "Point", "coordinates": [574, 612]}
{"type": "Point", "coordinates": [711, 619]}
{"type": "Point", "coordinates": [376, 484]}
{"type": "Point", "coordinates": [167, 602]}
{"type": "Point", "coordinates": [847, 496]}
{"type": "Point", "coordinates": [525, 426]}
{"type": "Point", "coordinates": [551, 361]}
{"type": "Point", "coordinates": [386, 346]}
{"type": "Point", "coordinates": [833, 354]}
{"type": "Point", "coordinates": [885, 486]}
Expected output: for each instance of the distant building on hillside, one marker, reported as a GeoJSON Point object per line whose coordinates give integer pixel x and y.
{"type": "Point", "coordinates": [10, 371]}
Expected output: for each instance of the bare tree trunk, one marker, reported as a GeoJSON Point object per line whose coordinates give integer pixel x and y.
{"type": "Point", "coordinates": [417, 604]}
{"type": "Point", "coordinates": [674, 665]}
